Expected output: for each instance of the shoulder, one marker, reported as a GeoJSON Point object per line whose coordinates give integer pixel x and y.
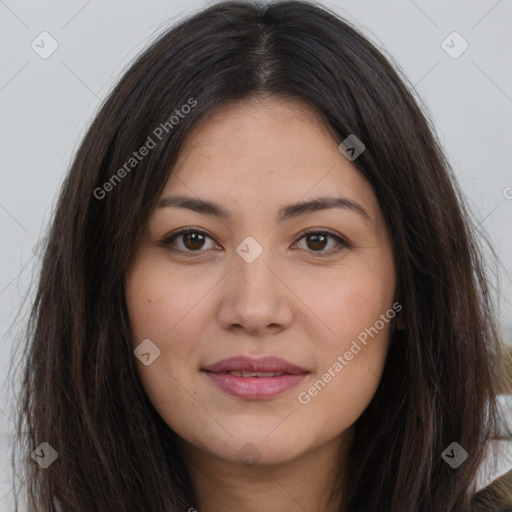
{"type": "Point", "coordinates": [495, 476]}
{"type": "Point", "coordinates": [495, 497]}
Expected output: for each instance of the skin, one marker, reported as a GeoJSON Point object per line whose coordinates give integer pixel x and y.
{"type": "Point", "coordinates": [253, 158]}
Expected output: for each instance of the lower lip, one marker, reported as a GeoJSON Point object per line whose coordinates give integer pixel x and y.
{"type": "Point", "coordinates": [255, 388]}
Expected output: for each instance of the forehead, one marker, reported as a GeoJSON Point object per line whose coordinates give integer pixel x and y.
{"type": "Point", "coordinates": [265, 150]}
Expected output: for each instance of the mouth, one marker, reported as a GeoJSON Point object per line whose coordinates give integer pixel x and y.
{"type": "Point", "coordinates": [254, 379]}
{"type": "Point", "coordinates": [242, 373]}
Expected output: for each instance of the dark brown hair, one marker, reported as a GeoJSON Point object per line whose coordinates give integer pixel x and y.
{"type": "Point", "coordinates": [81, 392]}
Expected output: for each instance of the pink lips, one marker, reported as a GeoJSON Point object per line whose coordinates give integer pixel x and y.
{"type": "Point", "coordinates": [254, 387]}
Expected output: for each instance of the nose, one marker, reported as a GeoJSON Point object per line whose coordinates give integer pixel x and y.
{"type": "Point", "coordinates": [255, 297]}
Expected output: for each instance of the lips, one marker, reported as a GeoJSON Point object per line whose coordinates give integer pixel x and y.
{"type": "Point", "coordinates": [248, 364]}
{"type": "Point", "coordinates": [254, 379]}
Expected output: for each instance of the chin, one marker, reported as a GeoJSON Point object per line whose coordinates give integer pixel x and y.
{"type": "Point", "coordinates": [254, 447]}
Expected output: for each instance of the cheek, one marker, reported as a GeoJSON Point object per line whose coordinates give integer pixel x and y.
{"type": "Point", "coordinates": [166, 310]}
{"type": "Point", "coordinates": [347, 304]}
{"type": "Point", "coordinates": [170, 312]}
{"type": "Point", "coordinates": [351, 358]}
{"type": "Point", "coordinates": [161, 303]}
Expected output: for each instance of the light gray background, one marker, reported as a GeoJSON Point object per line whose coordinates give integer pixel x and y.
{"type": "Point", "coordinates": [46, 105]}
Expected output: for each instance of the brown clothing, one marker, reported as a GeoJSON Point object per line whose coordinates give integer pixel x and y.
{"type": "Point", "coordinates": [486, 501]}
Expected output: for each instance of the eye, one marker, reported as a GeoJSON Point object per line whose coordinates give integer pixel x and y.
{"type": "Point", "coordinates": [188, 240]}
{"type": "Point", "coordinates": [318, 242]}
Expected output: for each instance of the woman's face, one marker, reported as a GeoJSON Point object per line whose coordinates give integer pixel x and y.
{"type": "Point", "coordinates": [260, 276]}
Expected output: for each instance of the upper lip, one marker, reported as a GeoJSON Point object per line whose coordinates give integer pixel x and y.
{"type": "Point", "coordinates": [249, 364]}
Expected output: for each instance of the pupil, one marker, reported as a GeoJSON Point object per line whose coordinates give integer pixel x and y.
{"type": "Point", "coordinates": [194, 240]}
{"type": "Point", "coordinates": [318, 241]}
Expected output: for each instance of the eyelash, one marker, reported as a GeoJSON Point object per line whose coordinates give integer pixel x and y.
{"type": "Point", "coordinates": [168, 241]}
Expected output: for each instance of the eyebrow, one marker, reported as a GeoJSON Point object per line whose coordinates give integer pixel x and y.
{"type": "Point", "coordinates": [285, 212]}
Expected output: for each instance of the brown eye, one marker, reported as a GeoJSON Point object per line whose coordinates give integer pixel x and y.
{"type": "Point", "coordinates": [322, 242]}
{"type": "Point", "coordinates": [189, 240]}
{"type": "Point", "coordinates": [193, 241]}
{"type": "Point", "coordinates": [316, 242]}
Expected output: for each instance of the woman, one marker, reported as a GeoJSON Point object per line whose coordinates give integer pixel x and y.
{"type": "Point", "coordinates": [261, 288]}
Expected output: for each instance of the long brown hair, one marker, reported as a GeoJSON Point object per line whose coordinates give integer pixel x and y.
{"type": "Point", "coordinates": [81, 393]}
